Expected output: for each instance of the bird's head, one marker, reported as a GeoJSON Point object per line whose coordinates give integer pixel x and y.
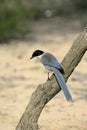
{"type": "Point", "coordinates": [36, 53]}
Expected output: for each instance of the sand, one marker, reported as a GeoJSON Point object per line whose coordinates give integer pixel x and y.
{"type": "Point", "coordinates": [20, 76]}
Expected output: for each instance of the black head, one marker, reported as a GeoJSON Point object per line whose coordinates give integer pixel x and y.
{"type": "Point", "coordinates": [36, 53]}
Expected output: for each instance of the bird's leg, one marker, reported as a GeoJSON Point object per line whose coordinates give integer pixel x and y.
{"type": "Point", "coordinates": [48, 77]}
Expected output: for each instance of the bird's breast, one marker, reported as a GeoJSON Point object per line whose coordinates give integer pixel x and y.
{"type": "Point", "coordinates": [48, 68]}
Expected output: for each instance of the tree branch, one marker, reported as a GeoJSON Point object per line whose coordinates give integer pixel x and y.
{"type": "Point", "coordinates": [48, 90]}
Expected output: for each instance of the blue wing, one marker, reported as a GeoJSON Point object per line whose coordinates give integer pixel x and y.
{"type": "Point", "coordinates": [54, 64]}
{"type": "Point", "coordinates": [50, 60]}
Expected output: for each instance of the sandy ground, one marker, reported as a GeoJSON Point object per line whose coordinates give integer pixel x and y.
{"type": "Point", "coordinates": [19, 77]}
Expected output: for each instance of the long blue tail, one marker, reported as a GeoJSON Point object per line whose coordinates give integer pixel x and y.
{"type": "Point", "coordinates": [62, 84]}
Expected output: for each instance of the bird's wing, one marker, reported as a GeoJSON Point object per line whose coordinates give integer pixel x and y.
{"type": "Point", "coordinates": [52, 64]}
{"type": "Point", "coordinates": [51, 61]}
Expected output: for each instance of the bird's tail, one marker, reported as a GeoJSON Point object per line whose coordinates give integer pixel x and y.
{"type": "Point", "coordinates": [62, 84]}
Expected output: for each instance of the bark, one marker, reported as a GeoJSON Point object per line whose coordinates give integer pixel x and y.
{"type": "Point", "coordinates": [46, 91]}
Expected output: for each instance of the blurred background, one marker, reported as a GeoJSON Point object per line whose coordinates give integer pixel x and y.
{"type": "Point", "coordinates": [49, 25]}
{"type": "Point", "coordinates": [15, 16]}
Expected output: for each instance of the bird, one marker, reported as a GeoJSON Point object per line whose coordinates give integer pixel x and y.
{"type": "Point", "coordinates": [51, 64]}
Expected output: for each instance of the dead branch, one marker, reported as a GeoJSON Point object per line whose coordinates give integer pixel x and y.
{"type": "Point", "coordinates": [48, 90]}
